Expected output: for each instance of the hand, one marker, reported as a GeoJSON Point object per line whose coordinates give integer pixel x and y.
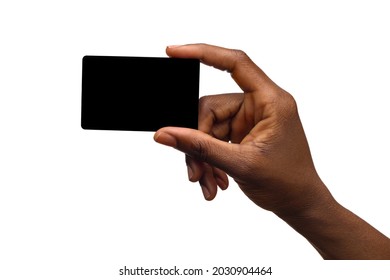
{"type": "Point", "coordinates": [255, 137]}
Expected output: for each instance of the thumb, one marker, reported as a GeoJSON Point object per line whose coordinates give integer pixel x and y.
{"type": "Point", "coordinates": [201, 146]}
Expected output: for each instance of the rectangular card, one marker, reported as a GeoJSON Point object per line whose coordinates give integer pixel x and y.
{"type": "Point", "coordinates": [139, 93]}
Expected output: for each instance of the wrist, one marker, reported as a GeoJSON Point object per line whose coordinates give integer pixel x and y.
{"type": "Point", "coordinates": [337, 233]}
{"type": "Point", "coordinates": [311, 202]}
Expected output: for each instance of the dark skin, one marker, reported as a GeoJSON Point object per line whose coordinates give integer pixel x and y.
{"type": "Point", "coordinates": [256, 138]}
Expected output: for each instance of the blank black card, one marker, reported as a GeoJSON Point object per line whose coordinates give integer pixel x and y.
{"type": "Point", "coordinates": [139, 93]}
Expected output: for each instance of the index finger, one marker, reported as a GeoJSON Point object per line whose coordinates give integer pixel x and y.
{"type": "Point", "coordinates": [245, 73]}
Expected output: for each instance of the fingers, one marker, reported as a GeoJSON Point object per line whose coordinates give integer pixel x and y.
{"type": "Point", "coordinates": [208, 183]}
{"type": "Point", "coordinates": [203, 148]}
{"type": "Point", "coordinates": [215, 110]}
{"type": "Point", "coordinates": [208, 177]}
{"type": "Point", "coordinates": [198, 170]}
{"type": "Point", "coordinates": [246, 73]}
{"type": "Point", "coordinates": [195, 168]}
{"type": "Point", "coordinates": [221, 178]}
{"type": "Point", "coordinates": [210, 180]}
{"type": "Point", "coordinates": [208, 158]}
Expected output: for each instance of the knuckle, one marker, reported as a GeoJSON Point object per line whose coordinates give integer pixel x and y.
{"type": "Point", "coordinates": [290, 103]}
{"type": "Point", "coordinates": [241, 58]}
{"type": "Point", "coordinates": [204, 102]}
{"type": "Point", "coordinates": [207, 105]}
{"type": "Point", "coordinates": [239, 54]}
{"type": "Point", "coordinates": [282, 104]}
{"type": "Point", "coordinates": [288, 108]}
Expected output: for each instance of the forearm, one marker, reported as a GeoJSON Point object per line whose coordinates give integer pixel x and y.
{"type": "Point", "coordinates": [337, 233]}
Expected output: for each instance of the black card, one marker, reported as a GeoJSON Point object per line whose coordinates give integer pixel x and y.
{"type": "Point", "coordinates": [139, 93]}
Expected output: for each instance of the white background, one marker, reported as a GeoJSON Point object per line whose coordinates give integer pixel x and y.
{"type": "Point", "coordinates": [78, 204]}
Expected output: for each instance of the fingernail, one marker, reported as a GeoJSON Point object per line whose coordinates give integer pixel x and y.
{"type": "Point", "coordinates": [190, 173]}
{"type": "Point", "coordinates": [221, 183]}
{"type": "Point", "coordinates": [165, 139]}
{"type": "Point", "coordinates": [173, 46]}
{"type": "Point", "coordinates": [206, 192]}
